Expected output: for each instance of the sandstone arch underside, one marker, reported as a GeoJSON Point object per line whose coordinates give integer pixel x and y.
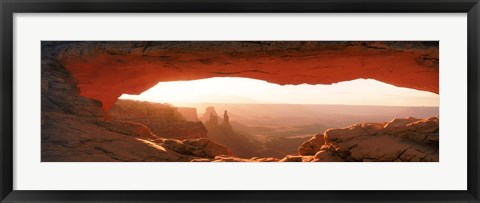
{"type": "Point", "coordinates": [106, 70]}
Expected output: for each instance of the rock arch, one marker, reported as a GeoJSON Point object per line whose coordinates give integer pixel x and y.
{"type": "Point", "coordinates": [106, 70]}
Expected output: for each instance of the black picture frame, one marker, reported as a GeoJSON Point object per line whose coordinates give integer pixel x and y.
{"type": "Point", "coordinates": [9, 7]}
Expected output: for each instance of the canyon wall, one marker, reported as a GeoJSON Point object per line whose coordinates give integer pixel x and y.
{"type": "Point", "coordinates": [81, 81]}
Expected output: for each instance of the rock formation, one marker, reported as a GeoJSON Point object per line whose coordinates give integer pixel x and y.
{"type": "Point", "coordinates": [278, 147]}
{"type": "Point", "coordinates": [106, 70]}
{"type": "Point", "coordinates": [209, 114]}
{"type": "Point", "coordinates": [408, 139]}
{"type": "Point", "coordinates": [195, 147]}
{"type": "Point", "coordinates": [224, 158]}
{"type": "Point", "coordinates": [226, 121]}
{"type": "Point", "coordinates": [212, 123]}
{"type": "Point", "coordinates": [294, 158]}
{"type": "Point", "coordinates": [164, 120]}
{"type": "Point", "coordinates": [81, 81]}
{"type": "Point", "coordinates": [312, 146]}
{"type": "Point", "coordinates": [60, 93]}
{"type": "Point", "coordinates": [189, 114]}
{"type": "Point", "coordinates": [131, 109]}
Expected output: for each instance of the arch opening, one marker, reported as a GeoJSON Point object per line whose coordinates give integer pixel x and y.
{"type": "Point", "coordinates": [255, 118]}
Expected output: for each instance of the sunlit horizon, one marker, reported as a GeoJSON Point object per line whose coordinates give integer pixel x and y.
{"type": "Point", "coordinates": [251, 91]}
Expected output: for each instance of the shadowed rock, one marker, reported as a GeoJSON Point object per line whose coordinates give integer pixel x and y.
{"type": "Point", "coordinates": [408, 139]}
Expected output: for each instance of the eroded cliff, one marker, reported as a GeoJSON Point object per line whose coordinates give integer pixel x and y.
{"type": "Point", "coordinates": [405, 139]}
{"type": "Point", "coordinates": [106, 70]}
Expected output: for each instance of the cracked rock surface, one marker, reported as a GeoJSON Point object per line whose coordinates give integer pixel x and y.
{"type": "Point", "coordinates": [406, 139]}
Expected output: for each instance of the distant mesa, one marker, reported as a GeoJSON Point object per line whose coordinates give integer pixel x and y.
{"type": "Point", "coordinates": [164, 120]}
{"type": "Point", "coordinates": [220, 131]}
{"type": "Point", "coordinates": [212, 122]}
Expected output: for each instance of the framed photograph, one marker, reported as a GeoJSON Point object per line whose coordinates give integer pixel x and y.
{"type": "Point", "coordinates": [229, 101]}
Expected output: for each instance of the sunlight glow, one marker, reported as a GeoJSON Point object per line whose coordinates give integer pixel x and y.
{"type": "Point", "coordinates": [246, 90]}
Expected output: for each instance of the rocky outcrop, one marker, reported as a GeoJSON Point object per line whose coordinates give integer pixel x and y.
{"type": "Point", "coordinates": [188, 113]}
{"type": "Point", "coordinates": [106, 70]}
{"type": "Point", "coordinates": [226, 121]}
{"type": "Point", "coordinates": [212, 122]}
{"type": "Point", "coordinates": [280, 146]}
{"type": "Point", "coordinates": [223, 133]}
{"type": "Point", "coordinates": [408, 139]}
{"type": "Point", "coordinates": [81, 80]}
{"type": "Point", "coordinates": [296, 158]}
{"type": "Point", "coordinates": [59, 93]}
{"type": "Point", "coordinates": [71, 138]}
{"type": "Point", "coordinates": [175, 129]}
{"type": "Point", "coordinates": [128, 128]}
{"type": "Point", "coordinates": [162, 119]}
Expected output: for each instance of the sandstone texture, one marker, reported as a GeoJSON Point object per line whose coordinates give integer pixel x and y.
{"type": "Point", "coordinates": [106, 70]}
{"type": "Point", "coordinates": [220, 131]}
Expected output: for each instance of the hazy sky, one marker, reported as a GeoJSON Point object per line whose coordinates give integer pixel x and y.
{"type": "Point", "coordinates": [245, 90]}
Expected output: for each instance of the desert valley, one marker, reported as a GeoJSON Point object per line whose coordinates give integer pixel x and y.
{"type": "Point", "coordinates": [85, 118]}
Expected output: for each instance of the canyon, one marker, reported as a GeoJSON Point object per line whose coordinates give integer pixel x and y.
{"type": "Point", "coordinates": [82, 119]}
